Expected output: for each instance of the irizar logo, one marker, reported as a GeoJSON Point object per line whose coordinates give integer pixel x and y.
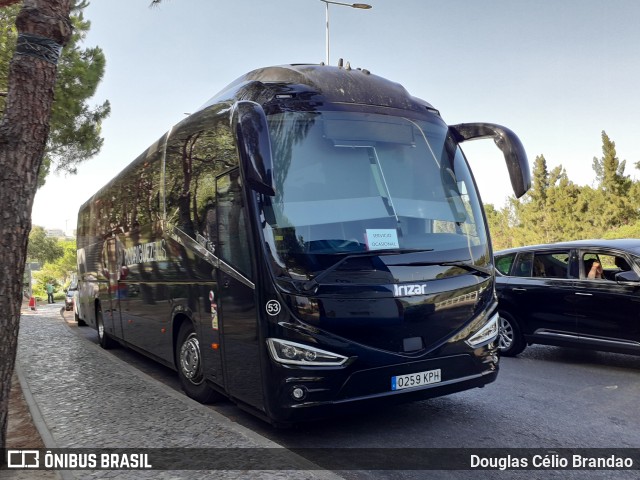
{"type": "Point", "coordinates": [409, 290]}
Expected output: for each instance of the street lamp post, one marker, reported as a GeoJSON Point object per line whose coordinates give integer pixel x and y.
{"type": "Point", "coordinates": [363, 6]}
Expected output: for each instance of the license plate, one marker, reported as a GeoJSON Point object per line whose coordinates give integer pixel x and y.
{"type": "Point", "coordinates": [419, 379]}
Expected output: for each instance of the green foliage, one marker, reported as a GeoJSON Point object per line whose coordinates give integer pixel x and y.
{"type": "Point", "coordinates": [41, 278]}
{"type": "Point", "coordinates": [79, 73]}
{"type": "Point", "coordinates": [60, 271]}
{"type": "Point", "coordinates": [63, 269]}
{"type": "Point", "coordinates": [615, 206]}
{"type": "Point", "coordinates": [75, 126]}
{"type": "Point", "coordinates": [41, 248]}
{"type": "Point", "coordinates": [66, 266]}
{"type": "Point", "coordinates": [556, 209]}
{"type": "Point", "coordinates": [624, 231]}
{"type": "Point", "coordinates": [609, 170]}
{"type": "Point", "coordinates": [501, 226]}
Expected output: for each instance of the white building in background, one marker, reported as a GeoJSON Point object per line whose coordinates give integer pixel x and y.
{"type": "Point", "coordinates": [55, 233]}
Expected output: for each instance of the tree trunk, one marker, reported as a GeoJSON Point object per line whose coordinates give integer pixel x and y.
{"type": "Point", "coordinates": [43, 27]}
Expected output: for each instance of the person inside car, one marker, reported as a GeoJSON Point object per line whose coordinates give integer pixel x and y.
{"type": "Point", "coordinates": [538, 268]}
{"type": "Point", "coordinates": [593, 269]}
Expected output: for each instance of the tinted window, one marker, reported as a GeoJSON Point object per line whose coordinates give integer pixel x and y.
{"type": "Point", "coordinates": [352, 181]}
{"type": "Point", "coordinates": [198, 150]}
{"type": "Point", "coordinates": [542, 264]}
{"type": "Point", "coordinates": [138, 202]}
{"type": "Point", "coordinates": [524, 265]}
{"type": "Point", "coordinates": [503, 263]}
{"type": "Point", "coordinates": [551, 265]}
{"type": "Point", "coordinates": [233, 228]}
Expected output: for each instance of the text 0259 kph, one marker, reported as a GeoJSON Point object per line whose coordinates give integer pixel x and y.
{"type": "Point", "coordinates": [416, 379]}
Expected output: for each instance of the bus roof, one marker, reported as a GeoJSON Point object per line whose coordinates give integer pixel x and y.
{"type": "Point", "coordinates": [309, 82]}
{"type": "Point", "coordinates": [320, 83]}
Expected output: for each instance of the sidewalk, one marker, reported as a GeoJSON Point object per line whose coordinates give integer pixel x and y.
{"type": "Point", "coordinates": [80, 396]}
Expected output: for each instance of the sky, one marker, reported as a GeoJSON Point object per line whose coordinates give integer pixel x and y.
{"type": "Point", "coordinates": [556, 72]}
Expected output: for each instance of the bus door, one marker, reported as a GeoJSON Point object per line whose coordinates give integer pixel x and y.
{"type": "Point", "coordinates": [237, 313]}
{"type": "Point", "coordinates": [112, 262]}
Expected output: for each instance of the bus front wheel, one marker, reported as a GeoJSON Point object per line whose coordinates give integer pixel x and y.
{"type": "Point", "coordinates": [190, 367]}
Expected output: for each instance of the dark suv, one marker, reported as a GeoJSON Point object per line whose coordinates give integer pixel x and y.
{"type": "Point", "coordinates": [580, 294]}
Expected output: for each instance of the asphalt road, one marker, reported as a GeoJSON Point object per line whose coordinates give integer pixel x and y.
{"type": "Point", "coordinates": [547, 397]}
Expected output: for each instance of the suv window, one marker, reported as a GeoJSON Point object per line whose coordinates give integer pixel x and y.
{"type": "Point", "coordinates": [544, 264]}
{"type": "Point", "coordinates": [503, 263]}
{"type": "Point", "coordinates": [523, 265]}
{"type": "Point", "coordinates": [610, 265]}
{"type": "Point", "coordinates": [551, 265]}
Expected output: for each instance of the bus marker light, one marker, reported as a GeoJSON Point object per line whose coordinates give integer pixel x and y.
{"type": "Point", "coordinates": [215, 346]}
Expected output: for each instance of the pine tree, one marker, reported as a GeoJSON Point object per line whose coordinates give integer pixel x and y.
{"type": "Point", "coordinates": [74, 126]}
{"type": "Point", "coordinates": [43, 29]}
{"type": "Point", "coordinates": [614, 207]}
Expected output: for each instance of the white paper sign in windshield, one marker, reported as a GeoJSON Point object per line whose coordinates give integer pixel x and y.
{"type": "Point", "coordinates": [382, 238]}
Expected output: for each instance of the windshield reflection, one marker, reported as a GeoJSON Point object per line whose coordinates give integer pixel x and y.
{"type": "Point", "coordinates": [351, 182]}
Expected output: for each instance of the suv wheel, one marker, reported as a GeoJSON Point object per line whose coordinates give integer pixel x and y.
{"type": "Point", "coordinates": [511, 342]}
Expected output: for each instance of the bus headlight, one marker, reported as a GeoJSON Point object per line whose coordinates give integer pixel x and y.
{"type": "Point", "coordinates": [291, 353]}
{"type": "Point", "coordinates": [486, 334]}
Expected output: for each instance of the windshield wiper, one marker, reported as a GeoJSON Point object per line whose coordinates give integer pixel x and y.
{"type": "Point", "coordinates": [487, 272]}
{"type": "Point", "coordinates": [314, 282]}
{"type": "Point", "coordinates": [467, 266]}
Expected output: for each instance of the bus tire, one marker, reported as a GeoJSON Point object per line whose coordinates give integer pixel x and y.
{"type": "Point", "coordinates": [104, 339]}
{"type": "Point", "coordinates": [190, 368]}
{"type": "Point", "coordinates": [511, 341]}
{"type": "Point", "coordinates": [80, 322]}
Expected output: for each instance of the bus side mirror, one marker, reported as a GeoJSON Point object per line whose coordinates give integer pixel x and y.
{"type": "Point", "coordinates": [252, 135]}
{"type": "Point", "coordinates": [508, 142]}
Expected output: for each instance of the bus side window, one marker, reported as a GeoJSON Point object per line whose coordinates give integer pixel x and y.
{"type": "Point", "coordinates": [197, 152]}
{"type": "Point", "coordinates": [233, 234]}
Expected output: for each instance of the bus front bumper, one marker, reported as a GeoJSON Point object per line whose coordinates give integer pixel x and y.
{"type": "Point", "coordinates": [304, 394]}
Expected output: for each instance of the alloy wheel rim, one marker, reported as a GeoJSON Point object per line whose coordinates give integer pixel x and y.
{"type": "Point", "coordinates": [506, 334]}
{"type": "Point", "coordinates": [190, 360]}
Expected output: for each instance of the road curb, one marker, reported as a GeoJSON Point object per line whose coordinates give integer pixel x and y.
{"type": "Point", "coordinates": [38, 419]}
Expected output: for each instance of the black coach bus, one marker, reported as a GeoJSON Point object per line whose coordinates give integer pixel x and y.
{"type": "Point", "coordinates": [312, 238]}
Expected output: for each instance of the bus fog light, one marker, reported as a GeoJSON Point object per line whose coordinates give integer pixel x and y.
{"type": "Point", "coordinates": [291, 353]}
{"type": "Point", "coordinates": [299, 393]}
{"type": "Point", "coordinates": [486, 334]}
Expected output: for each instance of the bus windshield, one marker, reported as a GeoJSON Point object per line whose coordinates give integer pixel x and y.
{"type": "Point", "coordinates": [350, 182]}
